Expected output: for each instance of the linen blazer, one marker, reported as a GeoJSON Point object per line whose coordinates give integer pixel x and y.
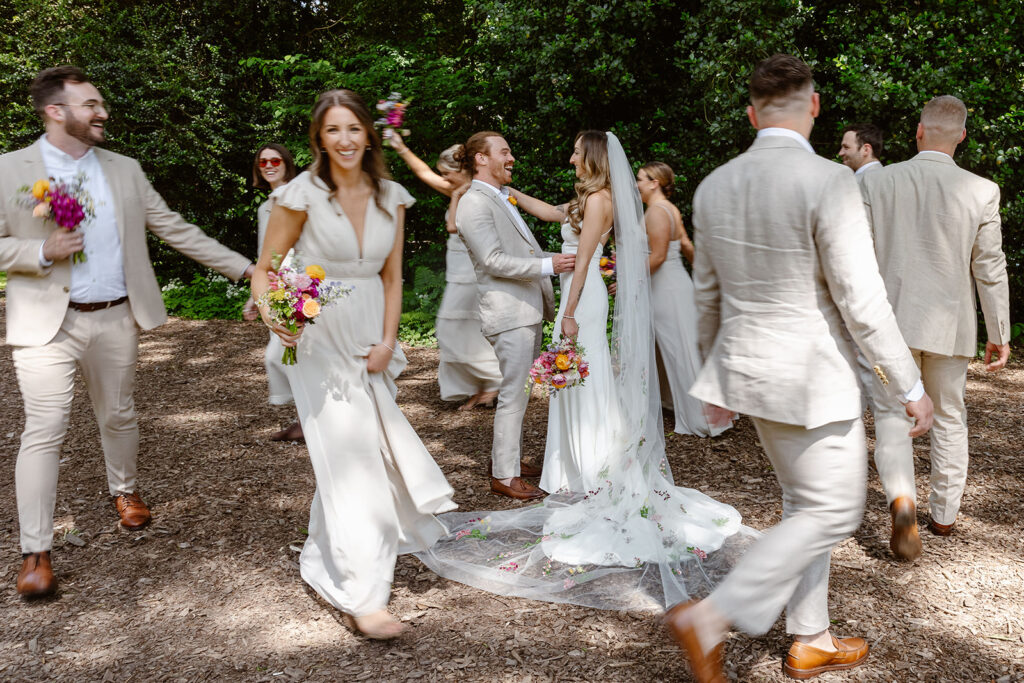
{"type": "Point", "coordinates": [37, 296]}
{"type": "Point", "coordinates": [938, 239]}
{"type": "Point", "coordinates": [513, 291]}
{"type": "Point", "coordinates": [784, 260]}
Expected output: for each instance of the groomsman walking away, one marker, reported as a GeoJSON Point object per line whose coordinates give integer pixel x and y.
{"type": "Point", "coordinates": [783, 261]}
{"type": "Point", "coordinates": [938, 240]}
{"type": "Point", "coordinates": [513, 278]}
{"type": "Point", "coordinates": [62, 314]}
{"type": "Point", "coordinates": [860, 148]}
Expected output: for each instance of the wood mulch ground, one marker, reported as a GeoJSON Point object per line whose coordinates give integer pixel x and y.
{"type": "Point", "coordinates": [211, 590]}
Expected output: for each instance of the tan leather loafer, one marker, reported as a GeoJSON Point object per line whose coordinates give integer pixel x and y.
{"type": "Point", "coordinates": [528, 470]}
{"type": "Point", "coordinates": [804, 661]}
{"type": "Point", "coordinates": [940, 529]}
{"type": "Point", "coordinates": [706, 667]}
{"type": "Point", "coordinates": [36, 579]}
{"type": "Point", "coordinates": [134, 513]}
{"type": "Point", "coordinates": [905, 542]}
{"type": "Point", "coordinates": [517, 488]}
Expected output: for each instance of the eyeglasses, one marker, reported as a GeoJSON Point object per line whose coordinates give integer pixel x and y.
{"type": "Point", "coordinates": [97, 107]}
{"type": "Point", "coordinates": [275, 162]}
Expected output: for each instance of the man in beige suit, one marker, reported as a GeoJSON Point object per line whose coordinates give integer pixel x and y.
{"type": "Point", "coordinates": [937, 237]}
{"type": "Point", "coordinates": [783, 261]}
{"type": "Point", "coordinates": [62, 314]}
{"type": "Point", "coordinates": [860, 148]}
{"type": "Point", "coordinates": [513, 278]}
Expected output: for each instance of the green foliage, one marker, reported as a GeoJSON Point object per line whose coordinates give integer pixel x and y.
{"type": "Point", "coordinates": [198, 86]}
{"type": "Point", "coordinates": [426, 292]}
{"type": "Point", "coordinates": [417, 329]}
{"type": "Point", "coordinates": [207, 296]}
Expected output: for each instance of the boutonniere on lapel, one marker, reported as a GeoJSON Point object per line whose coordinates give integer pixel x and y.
{"type": "Point", "coordinates": [512, 200]}
{"type": "Point", "coordinates": [66, 204]}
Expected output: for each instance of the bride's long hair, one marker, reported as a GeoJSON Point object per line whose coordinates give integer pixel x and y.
{"type": "Point", "coordinates": [595, 174]}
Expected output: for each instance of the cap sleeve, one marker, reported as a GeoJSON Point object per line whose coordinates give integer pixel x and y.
{"type": "Point", "coordinates": [400, 196]}
{"type": "Point", "coordinates": [294, 195]}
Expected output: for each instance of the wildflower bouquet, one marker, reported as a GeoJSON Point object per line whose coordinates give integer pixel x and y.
{"type": "Point", "coordinates": [298, 297]}
{"type": "Point", "coordinates": [607, 267]}
{"type": "Point", "coordinates": [560, 366]}
{"type": "Point", "coordinates": [392, 112]}
{"type": "Point", "coordinates": [65, 203]}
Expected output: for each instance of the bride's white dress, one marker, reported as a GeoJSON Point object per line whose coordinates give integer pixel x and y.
{"type": "Point", "coordinates": [574, 457]}
{"type": "Point", "coordinates": [630, 538]}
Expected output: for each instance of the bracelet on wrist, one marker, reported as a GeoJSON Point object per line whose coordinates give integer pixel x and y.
{"type": "Point", "coordinates": [386, 346]}
{"type": "Point", "coordinates": [568, 317]}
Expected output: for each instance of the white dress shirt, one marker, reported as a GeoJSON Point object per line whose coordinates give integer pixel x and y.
{"type": "Point", "coordinates": [101, 276]}
{"type": "Point", "coordinates": [546, 267]}
{"type": "Point", "coordinates": [917, 392]}
{"type": "Point", "coordinates": [934, 151]}
{"type": "Point", "coordinates": [787, 133]}
{"type": "Point", "coordinates": [867, 166]}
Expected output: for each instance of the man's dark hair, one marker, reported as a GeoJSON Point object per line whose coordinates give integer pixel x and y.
{"type": "Point", "coordinates": [48, 86]}
{"type": "Point", "coordinates": [779, 76]}
{"type": "Point", "coordinates": [867, 134]}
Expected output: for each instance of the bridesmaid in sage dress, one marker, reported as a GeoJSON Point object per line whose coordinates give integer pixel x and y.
{"type": "Point", "coordinates": [468, 368]}
{"type": "Point", "coordinates": [672, 300]}
{"type": "Point", "coordinates": [377, 486]}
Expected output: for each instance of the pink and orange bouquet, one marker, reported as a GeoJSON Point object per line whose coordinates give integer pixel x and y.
{"type": "Point", "coordinates": [66, 204]}
{"type": "Point", "coordinates": [607, 267]}
{"type": "Point", "coordinates": [296, 297]}
{"type": "Point", "coordinates": [560, 366]}
{"type": "Point", "coordinates": [392, 112]}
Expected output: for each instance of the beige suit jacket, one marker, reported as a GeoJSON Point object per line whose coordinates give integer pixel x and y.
{"type": "Point", "coordinates": [513, 292]}
{"type": "Point", "coordinates": [783, 260]}
{"type": "Point", "coordinates": [37, 297]}
{"type": "Point", "coordinates": [937, 239]}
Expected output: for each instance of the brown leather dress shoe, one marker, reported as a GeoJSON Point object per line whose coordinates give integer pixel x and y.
{"type": "Point", "coordinates": [292, 432]}
{"type": "Point", "coordinates": [528, 470]}
{"type": "Point", "coordinates": [517, 488]}
{"type": "Point", "coordinates": [940, 529]}
{"type": "Point", "coordinates": [134, 513]}
{"type": "Point", "coordinates": [905, 542]}
{"type": "Point", "coordinates": [36, 579]}
{"type": "Point", "coordinates": [706, 666]}
{"type": "Point", "coordinates": [804, 661]}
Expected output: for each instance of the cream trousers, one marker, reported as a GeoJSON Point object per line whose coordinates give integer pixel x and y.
{"type": "Point", "coordinates": [945, 378]}
{"type": "Point", "coordinates": [516, 350]}
{"type": "Point", "coordinates": [822, 473]}
{"type": "Point", "coordinates": [104, 344]}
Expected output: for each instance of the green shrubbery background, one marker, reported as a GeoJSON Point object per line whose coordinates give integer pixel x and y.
{"type": "Point", "coordinates": [196, 86]}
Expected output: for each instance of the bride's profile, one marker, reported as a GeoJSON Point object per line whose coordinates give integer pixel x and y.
{"type": "Point", "coordinates": [617, 533]}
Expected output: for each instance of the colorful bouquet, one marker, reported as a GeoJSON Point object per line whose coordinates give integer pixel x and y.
{"type": "Point", "coordinates": [607, 267]}
{"type": "Point", "coordinates": [560, 366]}
{"type": "Point", "coordinates": [392, 115]}
{"type": "Point", "coordinates": [298, 297]}
{"type": "Point", "coordinates": [66, 204]}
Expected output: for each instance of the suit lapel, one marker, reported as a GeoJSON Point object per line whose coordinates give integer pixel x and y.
{"type": "Point", "coordinates": [117, 191]}
{"type": "Point", "coordinates": [499, 203]}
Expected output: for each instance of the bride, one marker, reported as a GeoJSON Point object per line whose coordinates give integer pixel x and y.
{"type": "Point", "coordinates": [617, 534]}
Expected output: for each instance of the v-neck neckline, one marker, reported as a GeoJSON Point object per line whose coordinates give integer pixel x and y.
{"type": "Point", "coordinates": [360, 240]}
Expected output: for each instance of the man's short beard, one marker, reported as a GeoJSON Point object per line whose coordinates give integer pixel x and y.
{"type": "Point", "coordinates": [82, 132]}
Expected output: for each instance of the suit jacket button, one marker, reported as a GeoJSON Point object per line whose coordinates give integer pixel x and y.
{"type": "Point", "coordinates": [531, 252]}
{"type": "Point", "coordinates": [66, 289]}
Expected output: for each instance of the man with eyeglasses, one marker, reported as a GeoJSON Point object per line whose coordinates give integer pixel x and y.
{"type": "Point", "coordinates": [62, 314]}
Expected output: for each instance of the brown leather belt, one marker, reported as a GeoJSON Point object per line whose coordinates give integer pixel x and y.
{"type": "Point", "coordinates": [96, 306]}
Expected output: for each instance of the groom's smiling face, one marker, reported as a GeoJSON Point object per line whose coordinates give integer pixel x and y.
{"type": "Point", "coordinates": [500, 160]}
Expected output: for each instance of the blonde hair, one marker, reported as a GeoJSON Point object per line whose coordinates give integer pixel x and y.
{"type": "Point", "coordinates": [661, 173]}
{"type": "Point", "coordinates": [595, 174]}
{"type": "Point", "coordinates": [945, 116]}
{"type": "Point", "coordinates": [446, 161]}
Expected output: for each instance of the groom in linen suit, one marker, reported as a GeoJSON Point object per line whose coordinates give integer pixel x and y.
{"type": "Point", "coordinates": [513, 279]}
{"type": "Point", "coordinates": [62, 315]}
{"type": "Point", "coordinates": [938, 241]}
{"type": "Point", "coordinates": [784, 261]}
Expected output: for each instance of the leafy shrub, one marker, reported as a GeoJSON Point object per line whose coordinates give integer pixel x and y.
{"type": "Point", "coordinates": [417, 329]}
{"type": "Point", "coordinates": [207, 296]}
{"type": "Point", "coordinates": [425, 294]}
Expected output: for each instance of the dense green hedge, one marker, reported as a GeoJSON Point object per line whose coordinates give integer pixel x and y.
{"type": "Point", "coordinates": [198, 85]}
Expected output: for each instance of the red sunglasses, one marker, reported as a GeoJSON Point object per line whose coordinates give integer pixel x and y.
{"type": "Point", "coordinates": [275, 162]}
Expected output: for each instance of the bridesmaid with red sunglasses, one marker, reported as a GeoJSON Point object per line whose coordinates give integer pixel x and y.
{"type": "Point", "coordinates": [273, 168]}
